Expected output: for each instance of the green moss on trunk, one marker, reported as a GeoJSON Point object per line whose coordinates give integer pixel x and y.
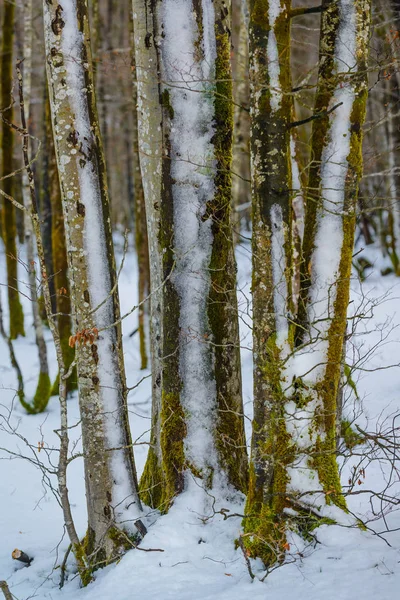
{"type": "Point", "coordinates": [222, 303]}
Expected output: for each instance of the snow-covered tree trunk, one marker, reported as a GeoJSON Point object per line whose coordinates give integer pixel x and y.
{"type": "Point", "coordinates": [7, 142]}
{"type": "Point", "coordinates": [271, 159]}
{"type": "Point", "coordinates": [241, 192]}
{"type": "Point", "coordinates": [329, 238]}
{"type": "Point", "coordinates": [184, 86]}
{"type": "Point", "coordinates": [294, 478]}
{"type": "Point", "coordinates": [43, 389]}
{"type": "Point", "coordinates": [315, 369]}
{"type": "Point", "coordinates": [110, 476]}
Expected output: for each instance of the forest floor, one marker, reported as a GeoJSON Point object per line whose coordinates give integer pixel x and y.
{"type": "Point", "coordinates": [199, 560]}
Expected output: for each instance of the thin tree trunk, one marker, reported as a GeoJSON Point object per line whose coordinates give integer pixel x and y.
{"type": "Point", "coordinates": [241, 192]}
{"type": "Point", "coordinates": [197, 428]}
{"type": "Point", "coordinates": [80, 555]}
{"type": "Point", "coordinates": [7, 142]}
{"type": "Point", "coordinates": [43, 389]}
{"type": "Point", "coordinates": [110, 475]}
{"type": "Point", "coordinates": [61, 284]}
{"type": "Point", "coordinates": [142, 245]}
{"type": "Point", "coordinates": [45, 198]}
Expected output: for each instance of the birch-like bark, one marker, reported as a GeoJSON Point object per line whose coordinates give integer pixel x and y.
{"type": "Point", "coordinates": [393, 132]}
{"type": "Point", "coordinates": [110, 476]}
{"type": "Point", "coordinates": [184, 84]}
{"type": "Point", "coordinates": [62, 294]}
{"type": "Point", "coordinates": [81, 560]}
{"type": "Point", "coordinates": [43, 389]}
{"type": "Point", "coordinates": [7, 142]}
{"type": "Point", "coordinates": [150, 154]}
{"type": "Point", "coordinates": [142, 245]}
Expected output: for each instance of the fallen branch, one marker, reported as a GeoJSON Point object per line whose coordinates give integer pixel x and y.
{"type": "Point", "coordinates": [21, 556]}
{"type": "Point", "coordinates": [5, 589]}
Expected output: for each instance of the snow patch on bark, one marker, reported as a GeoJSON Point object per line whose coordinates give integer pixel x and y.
{"type": "Point", "coordinates": [329, 237]}
{"type": "Point", "coordinates": [95, 250]}
{"type": "Point", "coordinates": [274, 10]}
{"type": "Point", "coordinates": [298, 200]}
{"type": "Point", "coordinates": [279, 275]}
{"type": "Point", "coordinates": [189, 71]}
{"type": "Point", "coordinates": [309, 363]}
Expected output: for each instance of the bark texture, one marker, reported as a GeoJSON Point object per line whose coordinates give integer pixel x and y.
{"type": "Point", "coordinates": [43, 389]}
{"type": "Point", "coordinates": [142, 245]}
{"type": "Point", "coordinates": [7, 142]}
{"type": "Point", "coordinates": [110, 476]}
{"type": "Point", "coordinates": [294, 476]}
{"type": "Point", "coordinates": [197, 428]}
{"type": "Point", "coordinates": [271, 112]}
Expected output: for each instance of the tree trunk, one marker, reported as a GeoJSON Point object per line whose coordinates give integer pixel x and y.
{"type": "Point", "coordinates": [110, 476]}
{"type": "Point", "coordinates": [330, 224]}
{"type": "Point", "coordinates": [197, 428]}
{"type": "Point", "coordinates": [43, 389]}
{"type": "Point", "coordinates": [7, 142]}
{"type": "Point", "coordinates": [62, 293]}
{"type": "Point", "coordinates": [45, 198]}
{"type": "Point", "coordinates": [142, 245]}
{"type": "Point", "coordinates": [241, 192]}
{"type": "Point", "coordinates": [271, 156]}
{"type": "Point", "coordinates": [294, 478]}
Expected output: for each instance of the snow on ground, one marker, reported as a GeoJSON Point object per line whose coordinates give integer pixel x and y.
{"type": "Point", "coordinates": [199, 560]}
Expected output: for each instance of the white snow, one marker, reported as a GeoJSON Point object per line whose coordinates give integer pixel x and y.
{"type": "Point", "coordinates": [325, 262]}
{"type": "Point", "coordinates": [298, 200]}
{"type": "Point", "coordinates": [309, 363]}
{"type": "Point", "coordinates": [187, 79]}
{"type": "Point", "coordinates": [199, 561]}
{"type": "Point", "coordinates": [274, 10]}
{"type": "Point", "coordinates": [279, 274]}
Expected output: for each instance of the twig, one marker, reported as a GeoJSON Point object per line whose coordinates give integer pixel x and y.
{"type": "Point", "coordinates": [323, 113]}
{"type": "Point", "coordinates": [305, 10]}
{"type": "Point", "coordinates": [246, 558]}
{"type": "Point", "coordinates": [64, 565]}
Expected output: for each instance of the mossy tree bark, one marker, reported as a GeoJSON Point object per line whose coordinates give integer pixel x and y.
{"type": "Point", "coordinates": [197, 428]}
{"type": "Point", "coordinates": [330, 221]}
{"type": "Point", "coordinates": [7, 142]}
{"type": "Point", "coordinates": [294, 481]}
{"type": "Point", "coordinates": [330, 224]}
{"type": "Point", "coordinates": [271, 111]}
{"type": "Point", "coordinates": [110, 475]}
